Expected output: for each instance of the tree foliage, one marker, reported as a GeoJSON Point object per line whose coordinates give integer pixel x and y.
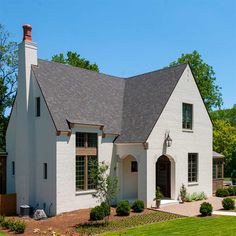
{"type": "Point", "coordinates": [226, 115]}
{"type": "Point", "coordinates": [74, 59]}
{"type": "Point", "coordinates": [106, 185]}
{"type": "Point", "coordinates": [224, 141]}
{"type": "Point", "coordinates": [8, 79]}
{"type": "Point", "coordinates": [205, 78]}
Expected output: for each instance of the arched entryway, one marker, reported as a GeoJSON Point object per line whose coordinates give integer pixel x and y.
{"type": "Point", "coordinates": [163, 175]}
{"type": "Point", "coordinates": [130, 178]}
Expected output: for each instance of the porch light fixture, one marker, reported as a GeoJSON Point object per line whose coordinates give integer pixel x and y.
{"type": "Point", "coordinates": [168, 141]}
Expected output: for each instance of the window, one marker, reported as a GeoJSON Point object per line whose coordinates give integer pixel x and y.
{"type": "Point", "coordinates": [86, 140]}
{"type": "Point", "coordinates": [218, 169]}
{"type": "Point", "coordinates": [192, 167]}
{"type": "Point", "coordinates": [37, 106]}
{"type": "Point", "coordinates": [45, 170]}
{"type": "Point", "coordinates": [13, 168]}
{"type": "Point", "coordinates": [134, 166]}
{"type": "Point", "coordinates": [84, 169]}
{"type": "Point", "coordinates": [187, 116]}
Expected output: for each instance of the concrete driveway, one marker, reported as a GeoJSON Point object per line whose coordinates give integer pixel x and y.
{"type": "Point", "coordinates": [192, 208]}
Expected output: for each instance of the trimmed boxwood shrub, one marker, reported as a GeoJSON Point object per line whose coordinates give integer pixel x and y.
{"type": "Point", "coordinates": [228, 203]}
{"type": "Point", "coordinates": [97, 213]}
{"type": "Point", "coordinates": [232, 191]}
{"type": "Point", "coordinates": [106, 208]}
{"type": "Point", "coordinates": [206, 209]}
{"type": "Point", "coordinates": [123, 208]}
{"type": "Point", "coordinates": [138, 206]}
{"type": "Point", "coordinates": [222, 192]}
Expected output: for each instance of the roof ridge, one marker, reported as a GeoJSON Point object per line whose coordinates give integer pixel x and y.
{"type": "Point", "coordinates": [79, 68]}
{"type": "Point", "coordinates": [150, 72]}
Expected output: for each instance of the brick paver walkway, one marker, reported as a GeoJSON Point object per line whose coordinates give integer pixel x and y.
{"type": "Point", "coordinates": [192, 208]}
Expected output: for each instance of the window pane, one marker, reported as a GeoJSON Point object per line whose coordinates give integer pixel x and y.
{"type": "Point", "coordinates": [134, 166]}
{"type": "Point", "coordinates": [192, 167]}
{"type": "Point", "coordinates": [80, 166]}
{"type": "Point", "coordinates": [220, 170]}
{"type": "Point", "coordinates": [80, 139]}
{"type": "Point", "coordinates": [92, 166]}
{"type": "Point", "coordinates": [38, 106]}
{"type": "Point", "coordinates": [214, 169]}
{"type": "Point", "coordinates": [92, 140]}
{"type": "Point", "coordinates": [45, 170]}
{"type": "Point", "coordinates": [187, 114]}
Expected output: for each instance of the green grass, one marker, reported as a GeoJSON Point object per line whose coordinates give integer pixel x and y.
{"type": "Point", "coordinates": [2, 234]}
{"type": "Point", "coordinates": [227, 179]}
{"type": "Point", "coordinates": [125, 222]}
{"type": "Point", "coordinates": [194, 226]}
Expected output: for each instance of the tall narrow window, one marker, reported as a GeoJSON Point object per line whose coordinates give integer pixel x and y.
{"type": "Point", "coordinates": [45, 170]}
{"type": "Point", "coordinates": [37, 101]}
{"type": "Point", "coordinates": [13, 168]}
{"type": "Point", "coordinates": [187, 116]}
{"type": "Point", "coordinates": [218, 169]}
{"type": "Point", "coordinates": [84, 172]}
{"type": "Point", "coordinates": [192, 167]}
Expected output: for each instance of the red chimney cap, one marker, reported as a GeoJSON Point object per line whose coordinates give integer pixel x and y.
{"type": "Point", "coordinates": [27, 33]}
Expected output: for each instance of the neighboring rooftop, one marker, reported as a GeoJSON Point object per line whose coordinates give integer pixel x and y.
{"type": "Point", "coordinates": [217, 155]}
{"type": "Point", "coordinates": [129, 107]}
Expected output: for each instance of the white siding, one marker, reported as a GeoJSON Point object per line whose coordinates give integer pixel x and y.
{"type": "Point", "coordinates": [67, 197]}
{"type": "Point", "coordinates": [11, 149]}
{"type": "Point", "coordinates": [199, 141]}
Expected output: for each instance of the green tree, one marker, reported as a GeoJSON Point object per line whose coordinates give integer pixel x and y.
{"type": "Point", "coordinates": [74, 59]}
{"type": "Point", "coordinates": [8, 79]}
{"type": "Point", "coordinates": [205, 78]}
{"type": "Point", "coordinates": [224, 141]}
{"type": "Point", "coordinates": [106, 185]}
{"type": "Point", "coordinates": [226, 115]}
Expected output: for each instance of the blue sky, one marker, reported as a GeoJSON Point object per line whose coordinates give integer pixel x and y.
{"type": "Point", "coordinates": [128, 37]}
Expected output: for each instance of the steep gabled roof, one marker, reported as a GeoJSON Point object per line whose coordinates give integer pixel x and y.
{"type": "Point", "coordinates": [144, 100]}
{"type": "Point", "coordinates": [72, 93]}
{"type": "Point", "coordinates": [129, 107]}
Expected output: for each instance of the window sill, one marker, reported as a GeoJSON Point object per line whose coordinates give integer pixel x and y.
{"type": "Point", "coordinates": [193, 184]}
{"type": "Point", "coordinates": [187, 130]}
{"type": "Point", "coordinates": [85, 192]}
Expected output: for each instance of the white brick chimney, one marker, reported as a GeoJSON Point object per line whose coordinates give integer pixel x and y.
{"type": "Point", "coordinates": [27, 56]}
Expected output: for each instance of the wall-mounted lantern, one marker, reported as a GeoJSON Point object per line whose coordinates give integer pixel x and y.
{"type": "Point", "coordinates": [168, 140]}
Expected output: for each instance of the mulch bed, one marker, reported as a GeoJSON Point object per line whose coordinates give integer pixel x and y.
{"type": "Point", "coordinates": [77, 222]}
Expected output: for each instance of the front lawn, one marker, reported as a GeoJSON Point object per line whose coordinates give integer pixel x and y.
{"type": "Point", "coordinates": [126, 222]}
{"type": "Point", "coordinates": [216, 225]}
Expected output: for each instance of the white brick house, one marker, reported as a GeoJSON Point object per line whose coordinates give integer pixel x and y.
{"type": "Point", "coordinates": [63, 116]}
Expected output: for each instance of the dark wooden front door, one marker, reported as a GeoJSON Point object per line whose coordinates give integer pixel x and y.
{"type": "Point", "coordinates": [2, 174]}
{"type": "Point", "coordinates": [163, 175]}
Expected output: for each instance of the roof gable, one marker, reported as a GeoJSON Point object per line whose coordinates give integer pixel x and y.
{"type": "Point", "coordinates": [144, 100]}
{"type": "Point", "coordinates": [129, 107]}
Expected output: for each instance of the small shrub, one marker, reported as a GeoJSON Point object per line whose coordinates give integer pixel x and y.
{"type": "Point", "coordinates": [228, 203]}
{"type": "Point", "coordinates": [19, 227]}
{"type": "Point", "coordinates": [138, 206]}
{"type": "Point", "coordinates": [5, 224]}
{"type": "Point", "coordinates": [183, 193]}
{"type": "Point", "coordinates": [97, 213]}
{"type": "Point", "coordinates": [106, 208]}
{"type": "Point", "coordinates": [232, 191]}
{"type": "Point", "coordinates": [202, 196]}
{"type": "Point", "coordinates": [222, 192]}
{"type": "Point", "coordinates": [206, 209]}
{"type": "Point", "coordinates": [2, 218]}
{"type": "Point", "coordinates": [123, 208]}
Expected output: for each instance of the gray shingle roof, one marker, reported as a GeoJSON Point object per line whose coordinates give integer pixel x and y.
{"type": "Point", "coordinates": [217, 155]}
{"type": "Point", "coordinates": [129, 107]}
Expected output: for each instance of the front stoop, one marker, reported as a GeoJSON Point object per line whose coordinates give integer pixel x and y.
{"type": "Point", "coordinates": [168, 202]}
